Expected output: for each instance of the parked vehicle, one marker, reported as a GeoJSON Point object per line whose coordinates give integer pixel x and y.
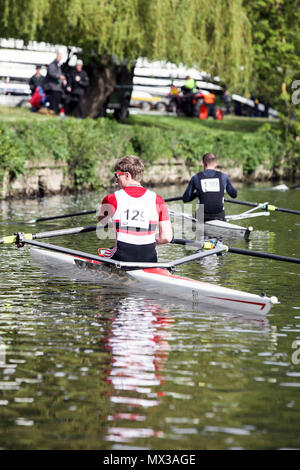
{"type": "Point", "coordinates": [146, 101]}
{"type": "Point", "coordinates": [193, 105]}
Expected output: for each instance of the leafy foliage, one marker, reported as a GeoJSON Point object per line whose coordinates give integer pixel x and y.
{"type": "Point", "coordinates": [215, 36]}
{"type": "Point", "coordinates": [88, 145]}
{"type": "Point", "coordinates": [276, 48]}
{"type": "Point", "coordinates": [11, 158]}
{"type": "Point", "coordinates": [238, 40]}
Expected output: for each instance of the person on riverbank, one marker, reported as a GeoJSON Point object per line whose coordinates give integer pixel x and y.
{"type": "Point", "coordinates": [54, 83]}
{"type": "Point", "coordinates": [78, 82]}
{"type": "Point", "coordinates": [209, 186]}
{"type": "Point", "coordinates": [136, 213]}
{"type": "Point", "coordinates": [227, 101]}
{"type": "Point", "coordinates": [36, 80]}
{"type": "Point", "coordinates": [188, 89]}
{"type": "Point", "coordinates": [38, 96]}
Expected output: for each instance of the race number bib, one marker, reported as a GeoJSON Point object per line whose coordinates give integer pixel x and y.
{"type": "Point", "coordinates": [134, 218]}
{"type": "Point", "coordinates": [210, 185]}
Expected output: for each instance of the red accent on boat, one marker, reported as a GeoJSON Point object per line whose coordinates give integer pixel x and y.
{"type": "Point", "coordinates": [93, 261]}
{"type": "Point", "coordinates": [242, 301]}
{"type": "Point", "coordinates": [165, 272]}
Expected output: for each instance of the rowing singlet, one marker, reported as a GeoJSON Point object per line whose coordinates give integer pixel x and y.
{"type": "Point", "coordinates": [136, 222]}
{"type": "Point", "coordinates": [211, 193]}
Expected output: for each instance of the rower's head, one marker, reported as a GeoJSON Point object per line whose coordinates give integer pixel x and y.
{"type": "Point", "coordinates": [209, 161]}
{"type": "Point", "coordinates": [129, 170]}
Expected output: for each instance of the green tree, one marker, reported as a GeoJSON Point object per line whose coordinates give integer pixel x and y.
{"type": "Point", "coordinates": [213, 36]}
{"type": "Point", "coordinates": [276, 65]}
{"type": "Point", "coordinates": [276, 48]}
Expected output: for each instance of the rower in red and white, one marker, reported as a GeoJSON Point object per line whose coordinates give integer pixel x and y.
{"type": "Point", "coordinates": [140, 217]}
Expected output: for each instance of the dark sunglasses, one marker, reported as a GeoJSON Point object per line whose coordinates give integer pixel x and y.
{"type": "Point", "coordinates": [118, 174]}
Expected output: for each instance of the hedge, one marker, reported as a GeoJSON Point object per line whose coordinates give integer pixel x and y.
{"type": "Point", "coordinates": [83, 145]}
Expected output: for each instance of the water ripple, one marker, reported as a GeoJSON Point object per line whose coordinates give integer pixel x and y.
{"type": "Point", "coordinates": [88, 366]}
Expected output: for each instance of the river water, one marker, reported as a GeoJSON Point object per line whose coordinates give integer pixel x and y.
{"type": "Point", "coordinates": [89, 366]}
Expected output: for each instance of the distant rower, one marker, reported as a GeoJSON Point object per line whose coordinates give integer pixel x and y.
{"type": "Point", "coordinates": [209, 186]}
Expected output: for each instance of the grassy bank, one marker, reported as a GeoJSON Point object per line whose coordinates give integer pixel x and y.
{"type": "Point", "coordinates": [84, 145]}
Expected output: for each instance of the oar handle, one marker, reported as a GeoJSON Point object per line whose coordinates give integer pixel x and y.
{"type": "Point", "coordinates": [183, 241]}
{"type": "Point", "coordinates": [243, 203]}
{"type": "Point", "coordinates": [170, 199]}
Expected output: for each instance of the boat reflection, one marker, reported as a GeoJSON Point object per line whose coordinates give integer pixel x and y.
{"type": "Point", "coordinates": [138, 342]}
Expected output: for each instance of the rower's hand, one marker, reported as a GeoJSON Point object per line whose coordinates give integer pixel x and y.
{"type": "Point", "coordinates": [165, 234]}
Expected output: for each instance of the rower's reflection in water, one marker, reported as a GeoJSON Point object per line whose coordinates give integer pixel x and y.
{"type": "Point", "coordinates": [139, 345]}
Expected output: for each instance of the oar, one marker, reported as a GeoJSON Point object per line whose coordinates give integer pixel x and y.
{"type": "Point", "coordinates": [52, 233]}
{"type": "Point", "coordinates": [267, 207]}
{"type": "Point", "coordinates": [258, 254]}
{"type": "Point", "coordinates": [63, 216]}
{"type": "Point", "coordinates": [209, 247]}
{"type": "Point", "coordinates": [177, 198]}
{"type": "Point", "coordinates": [73, 214]}
{"type": "Point", "coordinates": [264, 206]}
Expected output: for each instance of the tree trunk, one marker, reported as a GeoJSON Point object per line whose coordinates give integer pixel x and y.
{"type": "Point", "coordinates": [102, 75]}
{"type": "Point", "coordinates": [111, 83]}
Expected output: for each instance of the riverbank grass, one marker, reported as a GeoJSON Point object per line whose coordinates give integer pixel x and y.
{"type": "Point", "coordinates": [84, 145]}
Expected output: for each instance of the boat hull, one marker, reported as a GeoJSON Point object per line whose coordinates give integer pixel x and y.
{"type": "Point", "coordinates": [160, 281]}
{"type": "Point", "coordinates": [220, 228]}
{"type": "Point", "coordinates": [213, 228]}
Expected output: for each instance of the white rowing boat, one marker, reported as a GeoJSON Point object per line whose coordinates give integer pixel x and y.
{"type": "Point", "coordinates": [222, 228]}
{"type": "Point", "coordinates": [214, 228]}
{"type": "Point", "coordinates": [211, 228]}
{"type": "Point", "coordinates": [155, 277]}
